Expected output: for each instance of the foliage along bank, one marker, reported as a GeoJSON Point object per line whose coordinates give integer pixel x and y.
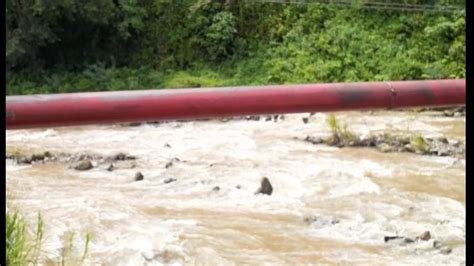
{"type": "Point", "coordinates": [66, 46]}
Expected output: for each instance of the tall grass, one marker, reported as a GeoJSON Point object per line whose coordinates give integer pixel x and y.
{"type": "Point", "coordinates": [15, 239]}
{"type": "Point", "coordinates": [22, 248]}
{"type": "Point", "coordinates": [339, 133]}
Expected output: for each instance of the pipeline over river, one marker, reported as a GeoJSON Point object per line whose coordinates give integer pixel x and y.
{"type": "Point", "coordinates": [155, 105]}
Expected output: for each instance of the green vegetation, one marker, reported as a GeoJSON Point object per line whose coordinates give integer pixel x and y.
{"type": "Point", "coordinates": [16, 251]}
{"type": "Point", "coordinates": [419, 143]}
{"type": "Point", "coordinates": [68, 256]}
{"type": "Point", "coordinates": [19, 248]}
{"type": "Point", "coordinates": [342, 136]}
{"type": "Point", "coordinates": [66, 46]}
{"type": "Point", "coordinates": [22, 249]}
{"type": "Point", "coordinates": [339, 134]}
{"type": "Point", "coordinates": [388, 137]}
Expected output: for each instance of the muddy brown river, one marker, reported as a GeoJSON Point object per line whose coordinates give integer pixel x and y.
{"type": "Point", "coordinates": [329, 205]}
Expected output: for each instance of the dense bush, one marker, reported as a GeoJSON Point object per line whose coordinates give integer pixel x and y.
{"type": "Point", "coordinates": [68, 34]}
{"type": "Point", "coordinates": [60, 46]}
{"type": "Point", "coordinates": [220, 35]}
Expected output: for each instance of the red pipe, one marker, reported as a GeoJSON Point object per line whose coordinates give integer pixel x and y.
{"type": "Point", "coordinates": [154, 105]}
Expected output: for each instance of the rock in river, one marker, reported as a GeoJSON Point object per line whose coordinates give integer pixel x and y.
{"type": "Point", "coordinates": [121, 157]}
{"type": "Point", "coordinates": [425, 236]}
{"type": "Point", "coordinates": [446, 250]}
{"type": "Point", "coordinates": [138, 176]}
{"type": "Point", "coordinates": [265, 187]}
{"type": "Point", "coordinates": [84, 165]}
{"type": "Point", "coordinates": [169, 180]}
{"type": "Point", "coordinates": [384, 147]}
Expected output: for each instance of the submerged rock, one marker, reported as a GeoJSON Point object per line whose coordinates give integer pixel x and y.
{"type": "Point", "coordinates": [29, 159]}
{"type": "Point", "coordinates": [448, 113]}
{"type": "Point", "coordinates": [37, 157]}
{"type": "Point", "coordinates": [400, 240]}
{"type": "Point", "coordinates": [133, 124]}
{"type": "Point", "coordinates": [168, 164]}
{"type": "Point", "coordinates": [265, 187]}
{"type": "Point", "coordinates": [384, 147]}
{"type": "Point", "coordinates": [389, 238]}
{"type": "Point", "coordinates": [408, 148]}
{"type": "Point", "coordinates": [443, 140]}
{"type": "Point", "coordinates": [122, 157]}
{"type": "Point", "coordinates": [24, 160]}
{"type": "Point", "coordinates": [253, 117]}
{"type": "Point", "coordinates": [278, 117]}
{"type": "Point", "coordinates": [314, 140]}
{"type": "Point", "coordinates": [171, 162]}
{"type": "Point", "coordinates": [310, 219]}
{"type": "Point", "coordinates": [84, 165]}
{"type": "Point", "coordinates": [320, 221]}
{"type": "Point", "coordinates": [225, 119]}
{"type": "Point", "coordinates": [169, 180]}
{"type": "Point", "coordinates": [446, 250]}
{"type": "Point", "coordinates": [437, 244]}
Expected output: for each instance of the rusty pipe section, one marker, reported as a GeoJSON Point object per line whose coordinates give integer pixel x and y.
{"type": "Point", "coordinates": [154, 105]}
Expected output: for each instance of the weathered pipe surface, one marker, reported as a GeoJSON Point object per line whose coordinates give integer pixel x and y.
{"type": "Point", "coordinates": [155, 105]}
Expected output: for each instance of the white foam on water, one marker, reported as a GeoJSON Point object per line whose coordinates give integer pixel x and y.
{"type": "Point", "coordinates": [328, 205]}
